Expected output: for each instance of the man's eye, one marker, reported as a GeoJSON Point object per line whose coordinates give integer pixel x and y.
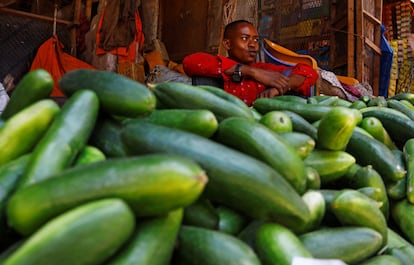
{"type": "Point", "coordinates": [244, 38]}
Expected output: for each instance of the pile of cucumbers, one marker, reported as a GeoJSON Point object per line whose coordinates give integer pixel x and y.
{"type": "Point", "coordinates": [176, 174]}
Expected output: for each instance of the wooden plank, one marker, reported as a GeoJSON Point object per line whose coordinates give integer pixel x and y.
{"type": "Point", "coordinates": [4, 3]}
{"type": "Point", "coordinates": [371, 17]}
{"type": "Point", "coordinates": [214, 19]}
{"type": "Point", "coordinates": [351, 40]}
{"type": "Point", "coordinates": [35, 16]}
{"type": "Point", "coordinates": [359, 18]}
{"type": "Point", "coordinates": [373, 46]}
{"type": "Point", "coordinates": [88, 9]}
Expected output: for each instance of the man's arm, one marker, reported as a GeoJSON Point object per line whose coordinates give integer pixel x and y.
{"type": "Point", "coordinates": [202, 64]}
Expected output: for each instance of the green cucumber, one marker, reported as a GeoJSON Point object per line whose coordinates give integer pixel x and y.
{"type": "Point", "coordinates": [408, 152]}
{"type": "Point", "coordinates": [199, 121]}
{"type": "Point", "coordinates": [10, 173]}
{"type": "Point", "coordinates": [378, 102]}
{"type": "Point", "coordinates": [276, 244]}
{"type": "Point", "coordinates": [400, 248]}
{"type": "Point", "coordinates": [152, 242]}
{"type": "Point", "coordinates": [397, 105]}
{"type": "Point", "coordinates": [369, 151]}
{"type": "Point", "coordinates": [236, 180]}
{"type": "Point", "coordinates": [201, 213]}
{"type": "Point", "coordinates": [331, 165]}
{"type": "Point", "coordinates": [292, 98]}
{"type": "Point", "coordinates": [402, 213]}
{"type": "Point", "coordinates": [317, 208]}
{"type": "Point", "coordinates": [89, 154]}
{"type": "Point", "coordinates": [118, 94]}
{"type": "Point", "coordinates": [184, 96]}
{"type": "Point", "coordinates": [382, 260]}
{"type": "Point", "coordinates": [336, 127]}
{"type": "Point", "coordinates": [230, 221]}
{"type": "Point", "coordinates": [374, 127]}
{"type": "Point", "coordinates": [397, 190]}
{"type": "Point", "coordinates": [310, 112]}
{"type": "Point", "coordinates": [301, 142]}
{"type": "Point", "coordinates": [106, 136]}
{"type": "Point", "coordinates": [34, 86]}
{"type": "Point", "coordinates": [152, 184]}
{"type": "Point", "coordinates": [66, 136]}
{"type": "Point", "coordinates": [299, 124]}
{"type": "Point", "coordinates": [225, 95]}
{"type": "Point", "coordinates": [399, 126]}
{"type": "Point", "coordinates": [352, 208]}
{"type": "Point", "coordinates": [347, 243]}
{"type": "Point", "coordinates": [405, 96]}
{"type": "Point", "coordinates": [313, 179]}
{"type": "Point", "coordinates": [407, 103]}
{"type": "Point", "coordinates": [257, 140]}
{"type": "Point", "coordinates": [277, 121]}
{"type": "Point", "coordinates": [208, 247]}
{"type": "Point", "coordinates": [329, 101]}
{"type": "Point", "coordinates": [358, 104]}
{"type": "Point", "coordinates": [106, 224]}
{"type": "Point", "coordinates": [367, 176]}
{"type": "Point", "coordinates": [22, 132]}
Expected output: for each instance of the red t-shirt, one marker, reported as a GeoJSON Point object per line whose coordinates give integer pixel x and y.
{"type": "Point", "coordinates": [204, 64]}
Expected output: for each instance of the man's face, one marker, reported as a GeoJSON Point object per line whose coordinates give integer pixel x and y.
{"type": "Point", "coordinates": [243, 43]}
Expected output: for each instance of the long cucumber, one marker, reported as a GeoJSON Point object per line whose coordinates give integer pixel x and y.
{"type": "Point", "coordinates": [87, 234]}
{"type": "Point", "coordinates": [152, 242]}
{"type": "Point", "coordinates": [21, 132]}
{"type": "Point", "coordinates": [257, 140]}
{"type": "Point", "coordinates": [34, 86]}
{"type": "Point", "coordinates": [181, 95]}
{"type": "Point", "coordinates": [236, 180]}
{"type": "Point", "coordinates": [209, 247]}
{"type": "Point", "coordinates": [118, 94]}
{"type": "Point", "coordinates": [151, 185]}
{"type": "Point", "coordinates": [66, 136]}
{"type": "Point", "coordinates": [369, 151]}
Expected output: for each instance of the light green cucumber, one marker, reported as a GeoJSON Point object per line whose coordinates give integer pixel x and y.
{"type": "Point", "coordinates": [22, 132]}
{"type": "Point", "coordinates": [352, 208]}
{"type": "Point", "coordinates": [151, 185]}
{"type": "Point", "coordinates": [152, 242]}
{"type": "Point", "coordinates": [199, 121]}
{"type": "Point", "coordinates": [66, 136]}
{"type": "Point", "coordinates": [336, 127]}
{"type": "Point", "coordinates": [73, 236]}
{"type": "Point", "coordinates": [89, 154]}
{"type": "Point", "coordinates": [331, 165]}
{"type": "Point", "coordinates": [276, 244]}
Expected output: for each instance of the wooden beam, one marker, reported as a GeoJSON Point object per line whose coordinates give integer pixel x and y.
{"type": "Point", "coordinates": [4, 3]}
{"type": "Point", "coordinates": [35, 16]}
{"type": "Point", "coordinates": [351, 40]}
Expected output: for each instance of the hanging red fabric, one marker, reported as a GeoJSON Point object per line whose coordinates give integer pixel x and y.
{"type": "Point", "coordinates": [51, 57]}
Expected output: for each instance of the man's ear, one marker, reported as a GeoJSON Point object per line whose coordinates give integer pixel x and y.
{"type": "Point", "coordinates": [226, 44]}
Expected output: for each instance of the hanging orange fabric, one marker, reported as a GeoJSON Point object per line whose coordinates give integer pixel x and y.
{"type": "Point", "coordinates": [51, 57]}
{"type": "Point", "coordinates": [125, 54]}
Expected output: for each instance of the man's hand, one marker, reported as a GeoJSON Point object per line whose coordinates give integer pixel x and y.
{"type": "Point", "coordinates": [269, 93]}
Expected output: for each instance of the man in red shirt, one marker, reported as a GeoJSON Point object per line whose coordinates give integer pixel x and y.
{"type": "Point", "coordinates": [242, 75]}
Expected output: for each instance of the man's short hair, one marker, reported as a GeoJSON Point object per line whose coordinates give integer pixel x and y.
{"type": "Point", "coordinates": [232, 25]}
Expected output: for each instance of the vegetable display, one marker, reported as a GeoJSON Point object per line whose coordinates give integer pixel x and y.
{"type": "Point", "coordinates": [176, 174]}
